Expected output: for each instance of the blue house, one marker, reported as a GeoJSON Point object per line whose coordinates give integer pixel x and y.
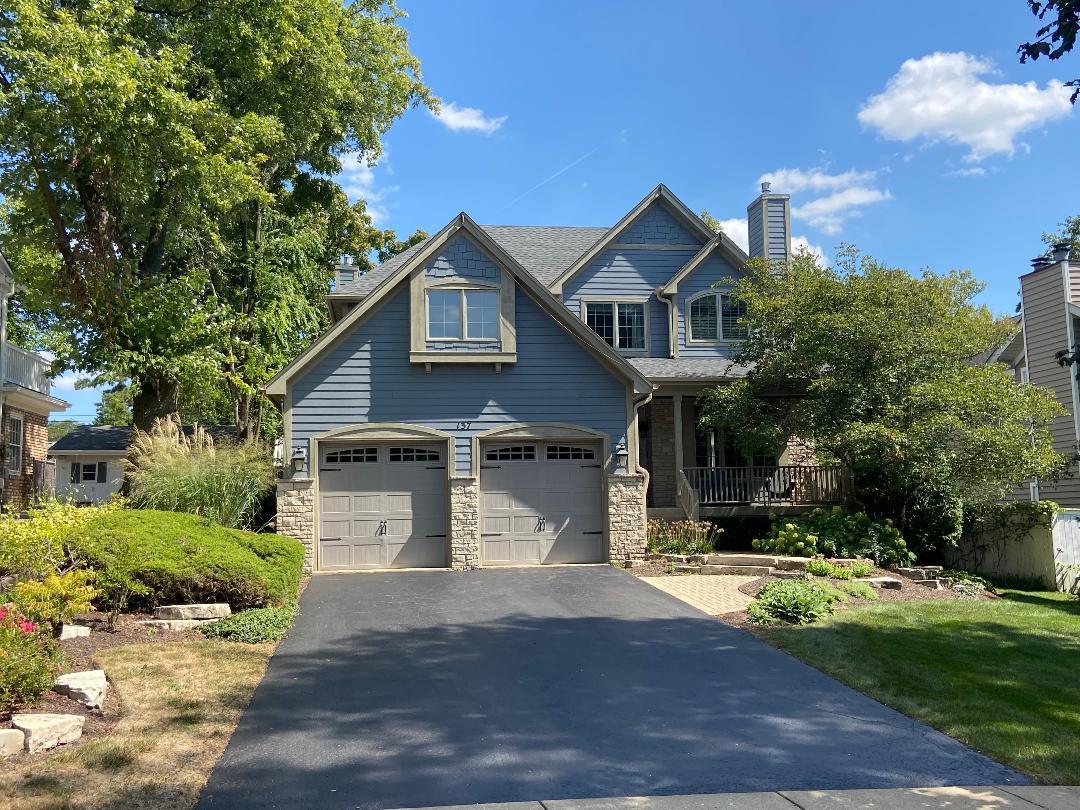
{"type": "Point", "coordinates": [515, 395]}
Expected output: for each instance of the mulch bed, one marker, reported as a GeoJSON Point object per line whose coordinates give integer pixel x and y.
{"type": "Point", "coordinates": [80, 657]}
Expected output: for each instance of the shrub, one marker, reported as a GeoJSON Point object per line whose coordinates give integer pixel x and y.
{"type": "Point", "coordinates": [31, 548]}
{"type": "Point", "coordinates": [955, 577]}
{"type": "Point", "coordinates": [253, 626]}
{"type": "Point", "coordinates": [183, 558]}
{"type": "Point", "coordinates": [860, 590]}
{"type": "Point", "coordinates": [172, 471]}
{"type": "Point", "coordinates": [819, 567]}
{"type": "Point", "coordinates": [835, 533]}
{"type": "Point", "coordinates": [793, 601]}
{"type": "Point", "coordinates": [682, 537]}
{"type": "Point", "coordinates": [57, 598]}
{"type": "Point", "coordinates": [861, 568]}
{"type": "Point", "coordinates": [29, 660]}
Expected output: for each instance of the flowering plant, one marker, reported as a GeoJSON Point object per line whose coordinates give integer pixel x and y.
{"type": "Point", "coordinates": [29, 659]}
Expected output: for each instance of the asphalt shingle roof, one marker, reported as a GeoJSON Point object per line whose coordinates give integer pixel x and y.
{"type": "Point", "coordinates": [689, 368]}
{"type": "Point", "coordinates": [94, 438]}
{"type": "Point", "coordinates": [544, 251]}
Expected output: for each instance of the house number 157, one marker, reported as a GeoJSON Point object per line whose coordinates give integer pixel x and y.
{"type": "Point", "coordinates": [464, 425]}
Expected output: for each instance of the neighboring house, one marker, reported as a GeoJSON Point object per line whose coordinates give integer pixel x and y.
{"type": "Point", "coordinates": [508, 395]}
{"type": "Point", "coordinates": [25, 405]}
{"type": "Point", "coordinates": [90, 462]}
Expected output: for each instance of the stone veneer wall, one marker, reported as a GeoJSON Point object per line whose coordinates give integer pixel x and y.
{"type": "Point", "coordinates": [296, 515]}
{"type": "Point", "coordinates": [464, 523]}
{"type": "Point", "coordinates": [626, 517]}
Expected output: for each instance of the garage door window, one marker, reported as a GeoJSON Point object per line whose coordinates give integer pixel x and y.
{"type": "Point", "coordinates": [354, 455]}
{"type": "Point", "coordinates": [515, 452]}
{"type": "Point", "coordinates": [565, 452]}
{"type": "Point", "coordinates": [412, 454]}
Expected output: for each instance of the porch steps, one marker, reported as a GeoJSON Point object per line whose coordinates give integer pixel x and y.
{"type": "Point", "coordinates": [737, 570]}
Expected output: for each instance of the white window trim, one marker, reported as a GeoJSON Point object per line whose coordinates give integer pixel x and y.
{"type": "Point", "coordinates": [464, 314]}
{"type": "Point", "coordinates": [616, 300]}
{"type": "Point", "coordinates": [82, 473]}
{"type": "Point", "coordinates": [719, 340]}
{"type": "Point", "coordinates": [18, 468]}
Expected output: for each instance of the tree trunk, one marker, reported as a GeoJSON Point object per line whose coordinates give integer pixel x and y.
{"type": "Point", "coordinates": [244, 408]}
{"type": "Point", "coordinates": [158, 396]}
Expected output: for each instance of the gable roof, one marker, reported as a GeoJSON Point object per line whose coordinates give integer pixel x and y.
{"type": "Point", "coordinates": [425, 250]}
{"type": "Point", "coordinates": [103, 439]}
{"type": "Point", "coordinates": [662, 194]}
{"type": "Point", "coordinates": [542, 250]}
{"type": "Point", "coordinates": [719, 243]}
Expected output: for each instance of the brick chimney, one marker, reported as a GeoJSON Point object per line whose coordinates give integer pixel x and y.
{"type": "Point", "coordinates": [769, 220]}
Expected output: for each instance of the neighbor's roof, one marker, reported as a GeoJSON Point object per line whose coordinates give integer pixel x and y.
{"type": "Point", "coordinates": [544, 251]}
{"type": "Point", "coordinates": [691, 369]}
{"type": "Point", "coordinates": [94, 439]}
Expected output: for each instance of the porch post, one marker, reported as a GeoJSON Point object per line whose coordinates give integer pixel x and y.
{"type": "Point", "coordinates": [677, 403]}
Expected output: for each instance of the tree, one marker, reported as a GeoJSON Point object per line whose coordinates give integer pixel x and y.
{"type": "Point", "coordinates": [1057, 37]}
{"type": "Point", "coordinates": [115, 406]}
{"type": "Point", "coordinates": [874, 366]}
{"type": "Point", "coordinates": [60, 428]}
{"type": "Point", "coordinates": [165, 173]}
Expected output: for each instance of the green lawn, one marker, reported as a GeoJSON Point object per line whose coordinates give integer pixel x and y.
{"type": "Point", "coordinates": [1001, 675]}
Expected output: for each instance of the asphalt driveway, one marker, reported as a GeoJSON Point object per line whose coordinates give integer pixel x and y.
{"type": "Point", "coordinates": [439, 688]}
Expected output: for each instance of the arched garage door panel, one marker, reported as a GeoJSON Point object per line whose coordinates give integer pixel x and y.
{"type": "Point", "coordinates": [382, 506]}
{"type": "Point", "coordinates": [541, 503]}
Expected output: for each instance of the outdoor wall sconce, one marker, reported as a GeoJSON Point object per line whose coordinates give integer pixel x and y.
{"type": "Point", "coordinates": [622, 457]}
{"type": "Point", "coordinates": [299, 459]}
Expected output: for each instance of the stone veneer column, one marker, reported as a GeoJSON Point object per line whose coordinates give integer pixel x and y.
{"type": "Point", "coordinates": [296, 515]}
{"type": "Point", "coordinates": [464, 523]}
{"type": "Point", "coordinates": [626, 517]}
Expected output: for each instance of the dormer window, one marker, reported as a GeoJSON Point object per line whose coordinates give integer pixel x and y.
{"type": "Point", "coordinates": [462, 314]}
{"type": "Point", "coordinates": [714, 317]}
{"type": "Point", "coordinates": [620, 324]}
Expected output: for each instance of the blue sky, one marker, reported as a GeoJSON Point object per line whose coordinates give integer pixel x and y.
{"type": "Point", "coordinates": [910, 129]}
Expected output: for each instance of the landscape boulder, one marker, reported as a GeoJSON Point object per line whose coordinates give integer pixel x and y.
{"type": "Point", "coordinates": [217, 610]}
{"type": "Point", "coordinates": [44, 731]}
{"type": "Point", "coordinates": [88, 688]}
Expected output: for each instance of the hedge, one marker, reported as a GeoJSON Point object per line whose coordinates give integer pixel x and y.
{"type": "Point", "coordinates": [183, 558]}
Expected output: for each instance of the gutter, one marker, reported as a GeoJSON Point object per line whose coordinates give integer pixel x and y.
{"type": "Point", "coordinates": [673, 326]}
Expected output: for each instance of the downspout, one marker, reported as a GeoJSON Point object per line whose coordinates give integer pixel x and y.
{"type": "Point", "coordinates": [673, 325]}
{"type": "Point", "coordinates": [638, 404]}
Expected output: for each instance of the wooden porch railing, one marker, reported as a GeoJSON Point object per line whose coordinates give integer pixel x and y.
{"type": "Point", "coordinates": [788, 485]}
{"type": "Point", "coordinates": [26, 369]}
{"type": "Point", "coordinates": [687, 495]}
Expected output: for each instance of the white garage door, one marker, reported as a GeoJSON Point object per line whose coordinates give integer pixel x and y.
{"type": "Point", "coordinates": [541, 502]}
{"type": "Point", "coordinates": [382, 506]}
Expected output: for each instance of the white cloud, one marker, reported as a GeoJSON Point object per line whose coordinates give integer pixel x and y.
{"type": "Point", "coordinates": [792, 181]}
{"type": "Point", "coordinates": [65, 382]}
{"type": "Point", "coordinates": [941, 97]}
{"type": "Point", "coordinates": [973, 171]}
{"type": "Point", "coordinates": [357, 179]}
{"type": "Point", "coordinates": [829, 213]}
{"type": "Point", "coordinates": [467, 118]}
{"type": "Point", "coordinates": [739, 232]}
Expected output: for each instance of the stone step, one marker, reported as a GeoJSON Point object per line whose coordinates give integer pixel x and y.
{"type": "Point", "coordinates": [737, 570]}
{"type": "Point", "coordinates": [741, 559]}
{"type": "Point", "coordinates": [11, 742]}
{"type": "Point", "coordinates": [217, 610]}
{"type": "Point", "coordinates": [792, 563]}
{"type": "Point", "coordinates": [889, 583]}
{"type": "Point", "coordinates": [932, 584]}
{"type": "Point", "coordinates": [44, 731]}
{"type": "Point", "coordinates": [175, 624]}
{"type": "Point", "coordinates": [687, 569]}
{"type": "Point", "coordinates": [919, 572]}
{"type": "Point", "coordinates": [88, 688]}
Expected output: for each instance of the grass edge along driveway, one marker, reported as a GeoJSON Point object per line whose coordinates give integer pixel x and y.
{"type": "Point", "coordinates": [1002, 676]}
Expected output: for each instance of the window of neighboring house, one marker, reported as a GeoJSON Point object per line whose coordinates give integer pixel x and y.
{"type": "Point", "coordinates": [620, 324]}
{"type": "Point", "coordinates": [463, 314]}
{"type": "Point", "coordinates": [89, 473]}
{"type": "Point", "coordinates": [15, 444]}
{"type": "Point", "coordinates": [715, 316]}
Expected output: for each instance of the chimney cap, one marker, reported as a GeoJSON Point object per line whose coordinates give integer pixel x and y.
{"type": "Point", "coordinates": [1039, 262]}
{"type": "Point", "coordinates": [765, 186]}
{"type": "Point", "coordinates": [1060, 250]}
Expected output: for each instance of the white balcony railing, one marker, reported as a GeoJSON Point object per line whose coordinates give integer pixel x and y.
{"type": "Point", "coordinates": [26, 369]}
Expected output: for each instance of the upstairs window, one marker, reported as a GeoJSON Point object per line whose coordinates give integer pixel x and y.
{"type": "Point", "coordinates": [620, 324]}
{"type": "Point", "coordinates": [714, 317]}
{"type": "Point", "coordinates": [463, 315]}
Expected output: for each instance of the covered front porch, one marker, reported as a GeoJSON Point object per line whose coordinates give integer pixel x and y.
{"type": "Point", "coordinates": [697, 473]}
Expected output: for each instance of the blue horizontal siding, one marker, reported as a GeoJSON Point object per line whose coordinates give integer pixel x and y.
{"type": "Point", "coordinates": [755, 230]}
{"type": "Point", "coordinates": [367, 377]}
{"type": "Point", "coordinates": [777, 235]}
{"type": "Point", "coordinates": [712, 270]}
{"type": "Point", "coordinates": [631, 273]}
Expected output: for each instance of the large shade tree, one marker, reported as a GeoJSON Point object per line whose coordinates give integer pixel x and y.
{"type": "Point", "coordinates": [881, 370]}
{"type": "Point", "coordinates": [165, 170]}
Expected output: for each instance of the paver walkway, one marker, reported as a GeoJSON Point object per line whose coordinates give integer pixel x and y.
{"type": "Point", "coordinates": [712, 594]}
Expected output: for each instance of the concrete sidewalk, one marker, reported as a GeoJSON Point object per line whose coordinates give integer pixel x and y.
{"type": "Point", "coordinates": [952, 798]}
